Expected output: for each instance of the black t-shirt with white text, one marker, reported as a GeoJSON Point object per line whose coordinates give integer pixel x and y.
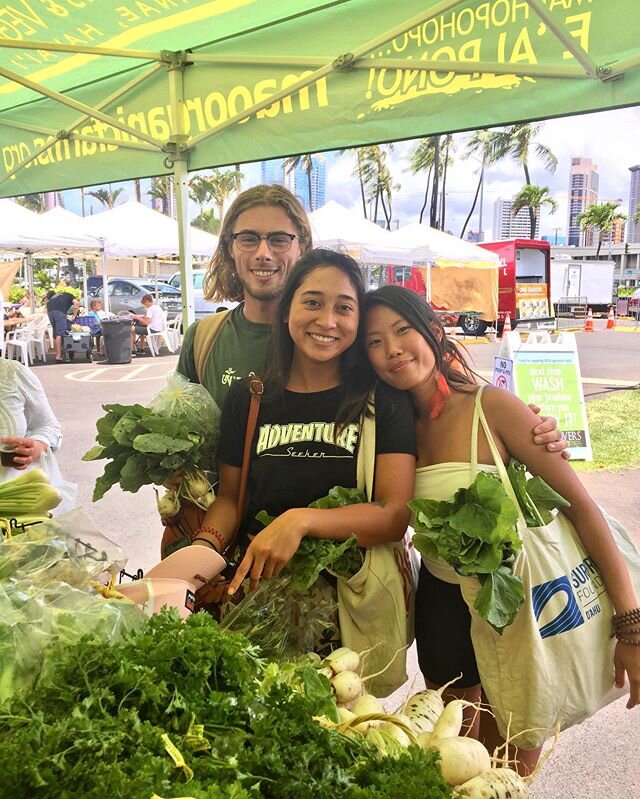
{"type": "Point", "coordinates": [294, 458]}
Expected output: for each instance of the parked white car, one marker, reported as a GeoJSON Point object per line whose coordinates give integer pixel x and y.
{"type": "Point", "coordinates": [202, 307]}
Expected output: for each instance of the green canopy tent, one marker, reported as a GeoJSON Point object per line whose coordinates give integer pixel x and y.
{"type": "Point", "coordinates": [93, 91]}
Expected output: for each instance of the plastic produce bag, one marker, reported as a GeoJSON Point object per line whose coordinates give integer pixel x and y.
{"type": "Point", "coordinates": [49, 581]}
{"type": "Point", "coordinates": [182, 399]}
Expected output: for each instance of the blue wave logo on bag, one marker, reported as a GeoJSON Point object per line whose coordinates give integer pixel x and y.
{"type": "Point", "coordinates": [576, 599]}
{"type": "Point", "coordinates": [568, 618]}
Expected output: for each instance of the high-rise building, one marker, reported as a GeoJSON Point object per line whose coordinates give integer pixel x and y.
{"type": "Point", "coordinates": [272, 171]}
{"type": "Point", "coordinates": [583, 192]}
{"type": "Point", "coordinates": [633, 228]}
{"type": "Point", "coordinates": [297, 181]}
{"type": "Point", "coordinates": [616, 234]}
{"type": "Point", "coordinates": [508, 226]}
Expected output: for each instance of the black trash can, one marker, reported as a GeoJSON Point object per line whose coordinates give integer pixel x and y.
{"type": "Point", "coordinates": [116, 334]}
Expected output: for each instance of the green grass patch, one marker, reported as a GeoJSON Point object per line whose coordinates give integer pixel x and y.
{"type": "Point", "coordinates": [614, 425]}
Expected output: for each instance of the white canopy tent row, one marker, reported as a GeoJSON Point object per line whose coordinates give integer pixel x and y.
{"type": "Point", "coordinates": [130, 229]}
{"type": "Point", "coordinates": [24, 231]}
{"type": "Point", "coordinates": [134, 230]}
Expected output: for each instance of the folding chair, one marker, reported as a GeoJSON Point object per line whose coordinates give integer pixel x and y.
{"type": "Point", "coordinates": [154, 339]}
{"type": "Point", "coordinates": [173, 330]}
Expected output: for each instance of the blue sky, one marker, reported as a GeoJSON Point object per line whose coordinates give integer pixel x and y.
{"type": "Point", "coordinates": [610, 138]}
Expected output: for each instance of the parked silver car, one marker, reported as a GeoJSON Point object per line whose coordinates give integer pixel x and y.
{"type": "Point", "coordinates": [202, 307]}
{"type": "Point", "coordinates": [126, 295]}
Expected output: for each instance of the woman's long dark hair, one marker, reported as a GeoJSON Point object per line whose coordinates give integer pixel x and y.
{"type": "Point", "coordinates": [450, 358]}
{"type": "Point", "coordinates": [355, 371]}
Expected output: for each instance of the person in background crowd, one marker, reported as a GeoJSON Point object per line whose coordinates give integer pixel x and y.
{"type": "Point", "coordinates": [29, 432]}
{"type": "Point", "coordinates": [152, 321]}
{"type": "Point", "coordinates": [59, 307]}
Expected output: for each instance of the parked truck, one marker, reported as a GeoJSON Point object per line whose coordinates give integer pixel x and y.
{"type": "Point", "coordinates": [524, 281]}
{"type": "Point", "coordinates": [579, 285]}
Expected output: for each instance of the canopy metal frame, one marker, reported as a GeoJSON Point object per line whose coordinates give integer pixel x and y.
{"type": "Point", "coordinates": [179, 145]}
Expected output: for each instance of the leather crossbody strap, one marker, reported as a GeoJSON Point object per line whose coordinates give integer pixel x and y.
{"type": "Point", "coordinates": [256, 387]}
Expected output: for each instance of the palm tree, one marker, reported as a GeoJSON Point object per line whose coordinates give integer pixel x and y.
{"type": "Point", "coordinates": [137, 189]}
{"type": "Point", "coordinates": [34, 202]}
{"type": "Point", "coordinates": [107, 197]}
{"type": "Point", "coordinates": [201, 191]}
{"type": "Point", "coordinates": [533, 198]}
{"type": "Point", "coordinates": [207, 221]}
{"type": "Point", "coordinates": [601, 216]}
{"type": "Point", "coordinates": [480, 145]}
{"type": "Point", "coordinates": [223, 185]}
{"type": "Point", "coordinates": [377, 180]}
{"type": "Point", "coordinates": [516, 141]}
{"type": "Point", "coordinates": [304, 161]}
{"type": "Point", "coordinates": [447, 162]}
{"type": "Point", "coordinates": [422, 159]}
{"type": "Point", "coordinates": [358, 172]}
{"type": "Point", "coordinates": [161, 190]}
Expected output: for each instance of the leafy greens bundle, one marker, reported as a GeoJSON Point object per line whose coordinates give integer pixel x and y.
{"type": "Point", "coordinates": [187, 709]}
{"type": "Point", "coordinates": [177, 432]}
{"type": "Point", "coordinates": [476, 533]}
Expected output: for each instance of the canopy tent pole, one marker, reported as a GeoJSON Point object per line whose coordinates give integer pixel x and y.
{"type": "Point", "coordinates": [29, 269]}
{"type": "Point", "coordinates": [105, 287]}
{"type": "Point", "coordinates": [179, 160]}
{"type": "Point", "coordinates": [85, 287]}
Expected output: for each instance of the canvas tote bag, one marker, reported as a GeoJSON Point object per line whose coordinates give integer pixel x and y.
{"type": "Point", "coordinates": [375, 606]}
{"type": "Point", "coordinates": [554, 664]}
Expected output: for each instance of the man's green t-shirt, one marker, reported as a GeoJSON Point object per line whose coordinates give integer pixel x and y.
{"type": "Point", "coordinates": [240, 348]}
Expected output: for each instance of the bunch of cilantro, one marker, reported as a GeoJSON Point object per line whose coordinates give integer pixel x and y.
{"type": "Point", "coordinates": [186, 709]}
{"type": "Point", "coordinates": [476, 533]}
{"type": "Point", "coordinates": [144, 445]}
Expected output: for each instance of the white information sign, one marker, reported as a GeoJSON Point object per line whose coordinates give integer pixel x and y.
{"type": "Point", "coordinates": [547, 373]}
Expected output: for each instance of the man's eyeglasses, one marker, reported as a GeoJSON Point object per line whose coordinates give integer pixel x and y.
{"type": "Point", "coordinates": [278, 242]}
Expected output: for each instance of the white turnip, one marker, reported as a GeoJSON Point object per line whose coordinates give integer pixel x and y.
{"type": "Point", "coordinates": [343, 659]}
{"type": "Point", "coordinates": [347, 686]}
{"type": "Point", "coordinates": [461, 759]}
{"type": "Point", "coordinates": [498, 783]}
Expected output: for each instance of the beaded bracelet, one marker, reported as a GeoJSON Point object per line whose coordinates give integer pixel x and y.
{"type": "Point", "coordinates": [628, 617]}
{"type": "Point", "coordinates": [213, 532]}
{"type": "Point", "coordinates": [630, 641]}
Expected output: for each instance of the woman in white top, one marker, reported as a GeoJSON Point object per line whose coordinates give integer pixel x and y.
{"type": "Point", "coordinates": [408, 349]}
{"type": "Point", "coordinates": [29, 427]}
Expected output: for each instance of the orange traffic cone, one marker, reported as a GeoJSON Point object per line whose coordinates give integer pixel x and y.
{"type": "Point", "coordinates": [611, 319]}
{"type": "Point", "coordinates": [588, 323]}
{"type": "Point", "coordinates": [506, 328]}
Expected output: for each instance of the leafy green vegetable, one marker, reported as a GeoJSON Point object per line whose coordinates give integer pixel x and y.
{"type": "Point", "coordinates": [176, 433]}
{"type": "Point", "coordinates": [476, 533]}
{"type": "Point", "coordinates": [536, 498]}
{"type": "Point", "coordinates": [106, 713]}
{"type": "Point", "coordinates": [314, 555]}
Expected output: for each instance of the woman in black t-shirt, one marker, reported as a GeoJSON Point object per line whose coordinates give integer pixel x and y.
{"type": "Point", "coordinates": [317, 388]}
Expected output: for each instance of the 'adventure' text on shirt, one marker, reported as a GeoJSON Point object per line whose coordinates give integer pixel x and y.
{"type": "Point", "coordinates": [276, 435]}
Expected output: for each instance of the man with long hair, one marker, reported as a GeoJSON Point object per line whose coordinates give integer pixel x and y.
{"type": "Point", "coordinates": [263, 234]}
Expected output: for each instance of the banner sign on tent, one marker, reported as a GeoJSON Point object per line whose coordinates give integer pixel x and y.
{"type": "Point", "coordinates": [97, 91]}
{"type": "Point", "coordinates": [547, 373]}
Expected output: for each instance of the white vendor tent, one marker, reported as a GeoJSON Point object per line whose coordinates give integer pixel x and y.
{"type": "Point", "coordinates": [459, 275]}
{"type": "Point", "coordinates": [336, 227]}
{"type": "Point", "coordinates": [23, 231]}
{"type": "Point", "coordinates": [132, 229]}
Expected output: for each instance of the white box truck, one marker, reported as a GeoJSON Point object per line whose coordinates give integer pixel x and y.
{"type": "Point", "coordinates": [579, 283]}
